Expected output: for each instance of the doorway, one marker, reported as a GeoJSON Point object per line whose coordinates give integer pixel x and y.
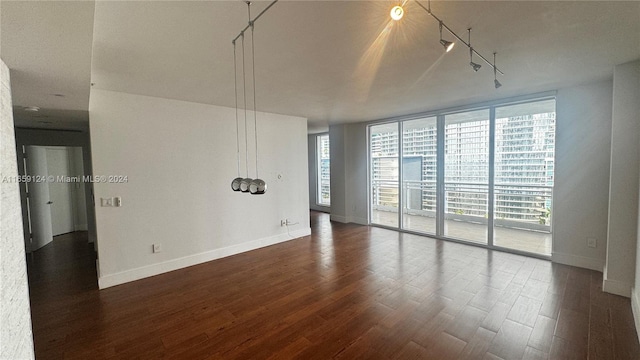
{"type": "Point", "coordinates": [55, 193]}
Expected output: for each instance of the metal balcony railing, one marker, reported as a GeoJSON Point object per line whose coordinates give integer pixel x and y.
{"type": "Point", "coordinates": [521, 206]}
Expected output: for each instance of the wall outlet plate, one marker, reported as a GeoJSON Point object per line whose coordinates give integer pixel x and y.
{"type": "Point", "coordinates": [592, 242]}
{"type": "Point", "coordinates": [106, 202]}
{"type": "Point", "coordinates": [157, 248]}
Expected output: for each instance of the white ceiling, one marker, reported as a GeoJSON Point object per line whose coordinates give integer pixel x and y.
{"type": "Point", "coordinates": [316, 59]}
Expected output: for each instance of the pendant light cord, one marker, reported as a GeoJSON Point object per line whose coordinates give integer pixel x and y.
{"type": "Point", "coordinates": [244, 91]}
{"type": "Point", "coordinates": [255, 116]}
{"type": "Point", "coordinates": [235, 81]}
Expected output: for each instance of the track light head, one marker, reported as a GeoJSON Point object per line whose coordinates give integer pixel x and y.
{"type": "Point", "coordinates": [497, 83]}
{"type": "Point", "coordinates": [475, 66]}
{"type": "Point", "coordinates": [448, 45]}
{"type": "Point", "coordinates": [397, 12]}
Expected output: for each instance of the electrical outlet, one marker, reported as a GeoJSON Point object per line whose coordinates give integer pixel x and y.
{"type": "Point", "coordinates": [283, 222]}
{"type": "Point", "coordinates": [117, 201]}
{"type": "Point", "coordinates": [106, 202]}
{"type": "Point", "coordinates": [591, 242]}
{"type": "Point", "coordinates": [157, 248]}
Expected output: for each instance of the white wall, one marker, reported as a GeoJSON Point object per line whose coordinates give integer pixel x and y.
{"type": "Point", "coordinates": [349, 188]}
{"type": "Point", "coordinates": [180, 159]}
{"type": "Point", "coordinates": [619, 271]}
{"type": "Point", "coordinates": [313, 174]}
{"type": "Point", "coordinates": [581, 193]}
{"type": "Point", "coordinates": [16, 339]}
{"type": "Point", "coordinates": [338, 173]}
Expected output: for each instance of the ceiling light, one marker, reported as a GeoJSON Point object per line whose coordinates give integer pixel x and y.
{"type": "Point", "coordinates": [495, 80]}
{"type": "Point", "coordinates": [397, 12]}
{"type": "Point", "coordinates": [255, 186]}
{"type": "Point", "coordinates": [58, 95]}
{"type": "Point", "coordinates": [474, 66]}
{"type": "Point", "coordinates": [448, 45]}
{"type": "Point", "coordinates": [32, 108]}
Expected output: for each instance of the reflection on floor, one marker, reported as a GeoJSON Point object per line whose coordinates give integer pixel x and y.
{"type": "Point", "coordinates": [519, 239]}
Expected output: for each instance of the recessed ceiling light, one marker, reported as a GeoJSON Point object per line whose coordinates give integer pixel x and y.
{"type": "Point", "coordinates": [31, 108]}
{"type": "Point", "coordinates": [58, 95]}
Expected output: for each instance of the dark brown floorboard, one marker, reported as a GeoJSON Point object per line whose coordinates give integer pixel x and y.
{"type": "Point", "coordinates": [347, 292]}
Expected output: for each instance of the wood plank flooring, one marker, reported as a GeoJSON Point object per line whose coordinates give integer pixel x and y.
{"type": "Point", "coordinates": [346, 292]}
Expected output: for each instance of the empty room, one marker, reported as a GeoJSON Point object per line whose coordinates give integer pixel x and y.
{"type": "Point", "coordinates": [316, 179]}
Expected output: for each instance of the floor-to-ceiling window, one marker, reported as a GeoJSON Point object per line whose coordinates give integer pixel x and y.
{"type": "Point", "coordinates": [323, 172]}
{"type": "Point", "coordinates": [483, 175]}
{"type": "Point", "coordinates": [524, 159]}
{"type": "Point", "coordinates": [466, 175]}
{"type": "Point", "coordinates": [419, 169]}
{"type": "Point", "coordinates": [385, 174]}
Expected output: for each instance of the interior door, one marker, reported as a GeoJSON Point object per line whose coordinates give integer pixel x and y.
{"type": "Point", "coordinates": [60, 191]}
{"type": "Point", "coordinates": [39, 200]}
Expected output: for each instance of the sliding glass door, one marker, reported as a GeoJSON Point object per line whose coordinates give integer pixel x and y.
{"type": "Point", "coordinates": [466, 176]}
{"type": "Point", "coordinates": [524, 159]}
{"type": "Point", "coordinates": [385, 174]}
{"type": "Point", "coordinates": [419, 171]}
{"type": "Point", "coordinates": [483, 175]}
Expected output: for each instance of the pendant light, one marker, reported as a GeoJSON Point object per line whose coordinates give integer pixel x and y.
{"type": "Point", "coordinates": [235, 184]}
{"type": "Point", "coordinates": [257, 186]}
{"type": "Point", "coordinates": [244, 183]}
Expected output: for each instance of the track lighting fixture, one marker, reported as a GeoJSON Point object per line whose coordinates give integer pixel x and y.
{"type": "Point", "coordinates": [397, 12]}
{"type": "Point", "coordinates": [448, 45]}
{"type": "Point", "coordinates": [474, 66]}
{"type": "Point", "coordinates": [247, 185]}
{"type": "Point", "coordinates": [495, 80]}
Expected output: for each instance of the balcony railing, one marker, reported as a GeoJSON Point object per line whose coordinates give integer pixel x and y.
{"type": "Point", "coordinates": [519, 206]}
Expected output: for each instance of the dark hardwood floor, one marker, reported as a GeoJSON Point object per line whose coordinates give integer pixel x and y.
{"type": "Point", "coordinates": [346, 292]}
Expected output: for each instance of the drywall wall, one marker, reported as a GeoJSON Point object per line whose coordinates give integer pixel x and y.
{"type": "Point", "coordinates": [349, 188]}
{"type": "Point", "coordinates": [633, 85]}
{"type": "Point", "coordinates": [16, 339]}
{"type": "Point", "coordinates": [338, 173]}
{"type": "Point", "coordinates": [581, 192]}
{"type": "Point", "coordinates": [313, 175]}
{"type": "Point", "coordinates": [619, 271]}
{"type": "Point", "coordinates": [179, 159]}
{"type": "Point", "coordinates": [60, 138]}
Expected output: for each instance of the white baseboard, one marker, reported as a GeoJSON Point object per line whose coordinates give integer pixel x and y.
{"type": "Point", "coordinates": [635, 308]}
{"type": "Point", "coordinates": [349, 219]}
{"type": "Point", "coordinates": [183, 262]}
{"type": "Point", "coordinates": [359, 221]}
{"type": "Point", "coordinates": [338, 218]}
{"type": "Point", "coordinates": [578, 261]}
{"type": "Point", "coordinates": [616, 287]}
